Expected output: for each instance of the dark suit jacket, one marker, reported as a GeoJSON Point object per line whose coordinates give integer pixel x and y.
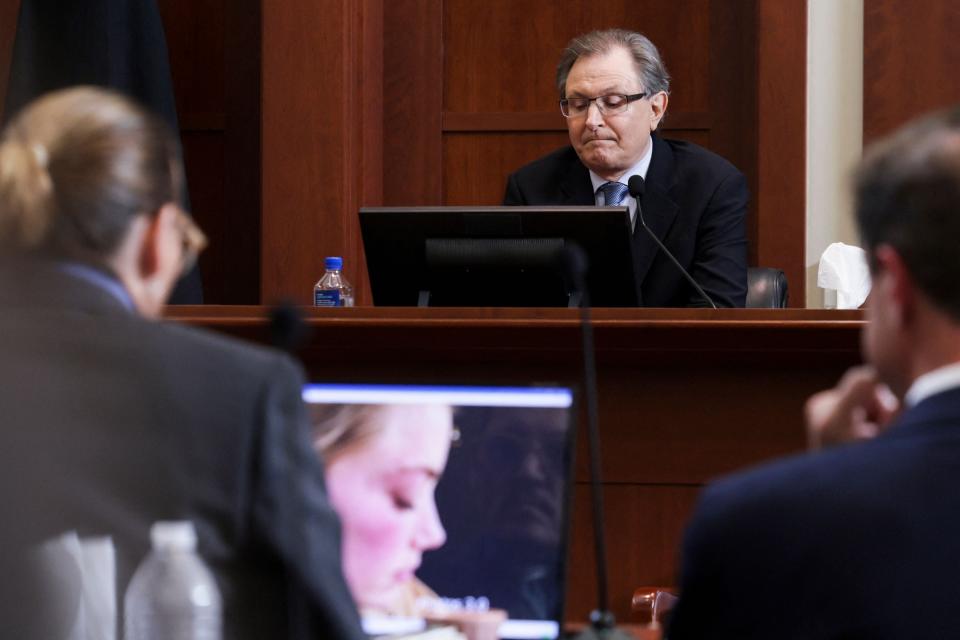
{"type": "Point", "coordinates": [856, 542]}
{"type": "Point", "coordinates": [695, 203]}
{"type": "Point", "coordinates": [111, 422]}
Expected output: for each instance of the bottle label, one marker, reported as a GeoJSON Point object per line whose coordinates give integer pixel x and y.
{"type": "Point", "coordinates": [326, 298]}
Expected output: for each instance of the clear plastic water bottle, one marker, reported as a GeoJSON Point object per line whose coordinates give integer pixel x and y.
{"type": "Point", "coordinates": [332, 290]}
{"type": "Point", "coordinates": [173, 595]}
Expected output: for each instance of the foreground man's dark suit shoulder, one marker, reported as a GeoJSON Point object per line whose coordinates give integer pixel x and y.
{"type": "Point", "coordinates": [695, 202]}
{"type": "Point", "coordinates": [111, 422]}
{"type": "Point", "coordinates": [856, 542]}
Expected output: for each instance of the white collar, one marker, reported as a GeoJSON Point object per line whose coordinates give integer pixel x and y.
{"type": "Point", "coordinates": [932, 383]}
{"type": "Point", "coordinates": [639, 169]}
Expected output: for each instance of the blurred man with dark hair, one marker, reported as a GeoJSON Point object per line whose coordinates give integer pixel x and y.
{"type": "Point", "coordinates": [859, 540]}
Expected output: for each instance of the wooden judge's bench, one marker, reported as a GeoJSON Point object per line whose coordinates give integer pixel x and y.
{"type": "Point", "coordinates": [684, 396]}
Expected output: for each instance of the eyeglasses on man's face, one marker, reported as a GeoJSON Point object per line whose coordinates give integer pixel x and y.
{"type": "Point", "coordinates": [608, 105]}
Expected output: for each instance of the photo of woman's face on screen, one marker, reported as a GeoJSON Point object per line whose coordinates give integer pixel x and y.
{"type": "Point", "coordinates": [382, 467]}
{"type": "Point", "coordinates": [451, 499]}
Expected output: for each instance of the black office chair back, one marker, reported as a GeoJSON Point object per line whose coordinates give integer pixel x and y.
{"type": "Point", "coordinates": [766, 288]}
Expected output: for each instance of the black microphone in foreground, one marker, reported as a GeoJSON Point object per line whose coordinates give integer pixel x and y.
{"type": "Point", "coordinates": [287, 329]}
{"type": "Point", "coordinates": [602, 622]}
{"type": "Point", "coordinates": [637, 189]}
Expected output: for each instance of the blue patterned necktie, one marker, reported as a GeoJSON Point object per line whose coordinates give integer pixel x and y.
{"type": "Point", "coordinates": [613, 193]}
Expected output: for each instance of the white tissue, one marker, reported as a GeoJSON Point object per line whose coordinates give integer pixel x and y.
{"type": "Point", "coordinates": [844, 269]}
{"type": "Point", "coordinates": [70, 564]}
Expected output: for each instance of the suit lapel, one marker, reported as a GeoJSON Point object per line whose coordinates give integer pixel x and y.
{"type": "Point", "coordinates": [659, 207]}
{"type": "Point", "coordinates": [576, 188]}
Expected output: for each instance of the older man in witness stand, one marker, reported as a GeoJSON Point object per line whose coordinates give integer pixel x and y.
{"type": "Point", "coordinates": [112, 420]}
{"type": "Point", "coordinates": [614, 92]}
{"type": "Point", "coordinates": [859, 540]}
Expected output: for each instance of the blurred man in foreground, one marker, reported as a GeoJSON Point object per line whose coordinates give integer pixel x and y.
{"type": "Point", "coordinates": [110, 420]}
{"type": "Point", "coordinates": [859, 540]}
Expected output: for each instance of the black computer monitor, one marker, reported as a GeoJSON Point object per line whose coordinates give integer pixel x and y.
{"type": "Point", "coordinates": [496, 256]}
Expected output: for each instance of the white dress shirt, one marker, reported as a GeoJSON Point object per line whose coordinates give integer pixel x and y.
{"type": "Point", "coordinates": [639, 169]}
{"type": "Point", "coordinates": [932, 383]}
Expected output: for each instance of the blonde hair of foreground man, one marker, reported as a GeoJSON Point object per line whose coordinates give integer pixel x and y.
{"type": "Point", "coordinates": [85, 176]}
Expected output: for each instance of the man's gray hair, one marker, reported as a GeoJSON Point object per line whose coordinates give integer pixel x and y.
{"type": "Point", "coordinates": [652, 74]}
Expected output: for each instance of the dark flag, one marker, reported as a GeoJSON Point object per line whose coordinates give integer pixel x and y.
{"type": "Point", "coordinates": [118, 44]}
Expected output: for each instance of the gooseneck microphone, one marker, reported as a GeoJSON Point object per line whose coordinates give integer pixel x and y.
{"type": "Point", "coordinates": [602, 622]}
{"type": "Point", "coordinates": [637, 188]}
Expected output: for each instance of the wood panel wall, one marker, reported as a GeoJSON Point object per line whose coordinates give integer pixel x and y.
{"type": "Point", "coordinates": [499, 91]}
{"type": "Point", "coordinates": [295, 114]}
{"type": "Point", "coordinates": [8, 27]}
{"type": "Point", "coordinates": [780, 194]}
{"type": "Point", "coordinates": [910, 57]}
{"type": "Point", "coordinates": [215, 62]}
{"type": "Point", "coordinates": [494, 108]}
{"type": "Point", "coordinates": [484, 102]}
{"type": "Point", "coordinates": [322, 139]}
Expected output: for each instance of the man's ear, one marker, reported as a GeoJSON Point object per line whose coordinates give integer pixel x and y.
{"type": "Point", "coordinates": [658, 105]}
{"type": "Point", "coordinates": [894, 276]}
